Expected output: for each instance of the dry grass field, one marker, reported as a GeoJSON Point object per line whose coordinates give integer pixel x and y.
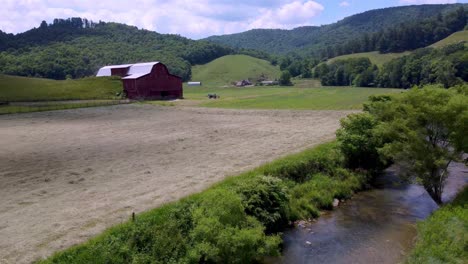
{"type": "Point", "coordinates": [68, 175]}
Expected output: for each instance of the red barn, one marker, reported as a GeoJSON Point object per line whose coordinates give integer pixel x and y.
{"type": "Point", "coordinates": [150, 80]}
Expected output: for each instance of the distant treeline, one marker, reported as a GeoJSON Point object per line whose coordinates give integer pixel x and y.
{"type": "Point", "coordinates": [447, 66]}
{"type": "Point", "coordinates": [76, 47]}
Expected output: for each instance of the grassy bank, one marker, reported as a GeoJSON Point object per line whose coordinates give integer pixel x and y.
{"type": "Point", "coordinates": [234, 221]}
{"type": "Point", "coordinates": [16, 88]}
{"type": "Point", "coordinates": [443, 237]}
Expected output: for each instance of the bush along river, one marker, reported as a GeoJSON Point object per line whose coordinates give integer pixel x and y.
{"type": "Point", "coordinates": [376, 226]}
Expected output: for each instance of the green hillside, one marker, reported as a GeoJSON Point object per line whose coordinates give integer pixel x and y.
{"type": "Point", "coordinates": [380, 59]}
{"type": "Point", "coordinates": [456, 37]}
{"type": "Point", "coordinates": [312, 40]}
{"type": "Point", "coordinates": [375, 57]}
{"type": "Point", "coordinates": [77, 48]}
{"type": "Point", "coordinates": [14, 88]}
{"type": "Point", "coordinates": [231, 68]}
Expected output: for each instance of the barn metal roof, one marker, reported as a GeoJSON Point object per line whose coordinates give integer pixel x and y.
{"type": "Point", "coordinates": [136, 70]}
{"type": "Point", "coordinates": [134, 76]}
{"type": "Point", "coordinates": [106, 70]}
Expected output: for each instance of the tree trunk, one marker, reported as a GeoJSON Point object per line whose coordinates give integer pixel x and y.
{"type": "Point", "coordinates": [435, 193]}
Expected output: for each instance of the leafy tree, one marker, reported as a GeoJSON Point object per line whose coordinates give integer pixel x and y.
{"type": "Point", "coordinates": [428, 127]}
{"type": "Point", "coordinates": [359, 144]}
{"type": "Point", "coordinates": [285, 78]}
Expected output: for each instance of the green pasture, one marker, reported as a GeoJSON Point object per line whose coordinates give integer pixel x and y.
{"type": "Point", "coordinates": [16, 88]}
{"type": "Point", "coordinates": [320, 98]}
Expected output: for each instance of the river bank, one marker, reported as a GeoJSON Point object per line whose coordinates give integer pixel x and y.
{"type": "Point", "coordinates": [376, 226]}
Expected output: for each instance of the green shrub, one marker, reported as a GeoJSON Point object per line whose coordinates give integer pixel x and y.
{"type": "Point", "coordinates": [266, 199]}
{"type": "Point", "coordinates": [358, 143]}
{"type": "Point", "coordinates": [223, 233]}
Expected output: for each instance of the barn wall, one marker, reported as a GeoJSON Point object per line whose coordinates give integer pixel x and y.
{"type": "Point", "coordinates": [159, 84]}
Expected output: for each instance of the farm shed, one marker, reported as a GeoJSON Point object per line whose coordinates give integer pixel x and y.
{"type": "Point", "coordinates": [194, 83]}
{"type": "Point", "coordinates": [150, 80]}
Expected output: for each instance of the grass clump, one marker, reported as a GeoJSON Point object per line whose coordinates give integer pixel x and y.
{"type": "Point", "coordinates": [319, 192]}
{"type": "Point", "coordinates": [235, 221]}
{"type": "Point", "coordinates": [443, 237]}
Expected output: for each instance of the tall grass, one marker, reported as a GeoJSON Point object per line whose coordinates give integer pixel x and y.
{"type": "Point", "coordinates": [234, 221]}
{"type": "Point", "coordinates": [443, 237]}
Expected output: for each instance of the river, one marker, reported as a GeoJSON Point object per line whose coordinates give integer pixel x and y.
{"type": "Point", "coordinates": [376, 226]}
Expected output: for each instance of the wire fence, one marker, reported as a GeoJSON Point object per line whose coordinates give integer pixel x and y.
{"type": "Point", "coordinates": [27, 107]}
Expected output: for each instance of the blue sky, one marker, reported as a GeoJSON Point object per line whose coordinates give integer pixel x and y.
{"type": "Point", "coordinates": [192, 18]}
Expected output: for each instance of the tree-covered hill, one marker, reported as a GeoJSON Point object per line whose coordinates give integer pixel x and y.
{"type": "Point", "coordinates": [76, 47]}
{"type": "Point", "coordinates": [309, 41]}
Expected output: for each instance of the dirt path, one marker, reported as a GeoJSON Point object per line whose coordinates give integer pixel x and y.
{"type": "Point", "coordinates": [67, 175]}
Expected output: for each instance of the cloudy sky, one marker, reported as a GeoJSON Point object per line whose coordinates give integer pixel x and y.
{"type": "Point", "coordinates": [192, 18]}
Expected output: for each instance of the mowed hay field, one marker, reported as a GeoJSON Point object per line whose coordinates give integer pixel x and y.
{"type": "Point", "coordinates": [375, 57]}
{"type": "Point", "coordinates": [460, 36]}
{"type": "Point", "coordinates": [16, 88]}
{"type": "Point", "coordinates": [68, 175]}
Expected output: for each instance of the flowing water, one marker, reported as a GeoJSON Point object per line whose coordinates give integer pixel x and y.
{"type": "Point", "coordinates": [376, 226]}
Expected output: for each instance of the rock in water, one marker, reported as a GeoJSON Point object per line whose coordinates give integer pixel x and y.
{"type": "Point", "coordinates": [336, 202]}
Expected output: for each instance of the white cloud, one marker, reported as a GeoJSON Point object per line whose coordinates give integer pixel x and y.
{"type": "Point", "coordinates": [289, 15]}
{"type": "Point", "coordinates": [420, 2]}
{"type": "Point", "coordinates": [185, 17]}
{"type": "Point", "coordinates": [344, 4]}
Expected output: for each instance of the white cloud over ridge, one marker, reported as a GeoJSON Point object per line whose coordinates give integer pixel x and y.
{"type": "Point", "coordinates": [188, 18]}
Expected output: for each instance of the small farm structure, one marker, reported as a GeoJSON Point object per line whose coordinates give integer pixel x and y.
{"type": "Point", "coordinates": [150, 80]}
{"type": "Point", "coordinates": [194, 83]}
{"type": "Point", "coordinates": [243, 83]}
{"type": "Point", "coordinates": [269, 83]}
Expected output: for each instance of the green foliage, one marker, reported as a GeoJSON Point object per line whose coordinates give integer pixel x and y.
{"type": "Point", "coordinates": [447, 66]}
{"type": "Point", "coordinates": [224, 233]}
{"type": "Point", "coordinates": [266, 199]}
{"type": "Point", "coordinates": [427, 127]}
{"type": "Point", "coordinates": [359, 144]}
{"type": "Point", "coordinates": [442, 238]}
{"type": "Point", "coordinates": [285, 78]}
{"type": "Point", "coordinates": [354, 71]}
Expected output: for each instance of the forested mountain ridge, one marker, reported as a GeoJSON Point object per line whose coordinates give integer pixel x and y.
{"type": "Point", "coordinates": [309, 41]}
{"type": "Point", "coordinates": [75, 47]}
